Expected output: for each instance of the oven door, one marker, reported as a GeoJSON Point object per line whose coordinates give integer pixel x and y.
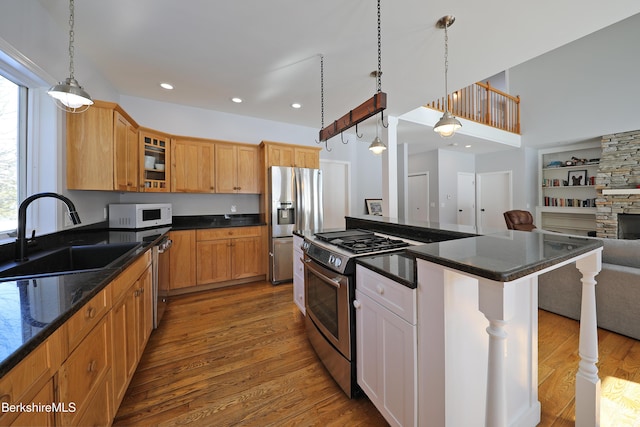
{"type": "Point", "coordinates": [327, 304]}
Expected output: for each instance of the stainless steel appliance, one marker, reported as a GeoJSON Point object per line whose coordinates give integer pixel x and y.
{"type": "Point", "coordinates": [330, 290]}
{"type": "Point", "coordinates": [160, 282]}
{"type": "Point", "coordinates": [139, 215]}
{"type": "Point", "coordinates": [296, 204]}
{"type": "Point", "coordinates": [159, 260]}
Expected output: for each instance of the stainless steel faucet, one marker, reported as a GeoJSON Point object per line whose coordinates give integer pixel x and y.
{"type": "Point", "coordinates": [21, 241]}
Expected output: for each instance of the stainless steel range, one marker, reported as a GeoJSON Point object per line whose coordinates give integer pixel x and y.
{"type": "Point", "coordinates": [330, 290]}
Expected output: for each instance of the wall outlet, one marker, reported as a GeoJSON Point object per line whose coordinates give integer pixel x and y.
{"type": "Point", "coordinates": [233, 208]}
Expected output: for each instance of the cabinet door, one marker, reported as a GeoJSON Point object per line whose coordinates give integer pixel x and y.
{"type": "Point", "coordinates": [307, 158]}
{"type": "Point", "coordinates": [213, 261]}
{"type": "Point", "coordinates": [192, 167]}
{"type": "Point", "coordinates": [90, 149]}
{"type": "Point", "coordinates": [154, 150]}
{"type": "Point", "coordinates": [298, 273]}
{"type": "Point", "coordinates": [248, 170]}
{"type": "Point", "coordinates": [246, 256]}
{"type": "Point", "coordinates": [226, 168]}
{"type": "Point", "coordinates": [386, 360]}
{"type": "Point", "coordinates": [144, 311]}
{"type": "Point", "coordinates": [182, 259]}
{"type": "Point", "coordinates": [39, 418]}
{"type": "Point", "coordinates": [126, 154]}
{"type": "Point", "coordinates": [280, 155]}
{"type": "Point", "coordinates": [123, 324]}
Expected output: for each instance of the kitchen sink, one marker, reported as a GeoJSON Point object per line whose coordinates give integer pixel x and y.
{"type": "Point", "coordinates": [70, 259]}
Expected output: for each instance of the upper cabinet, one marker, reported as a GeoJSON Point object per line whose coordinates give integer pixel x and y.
{"type": "Point", "coordinates": [155, 157]}
{"type": "Point", "coordinates": [280, 154]}
{"type": "Point", "coordinates": [102, 149]}
{"type": "Point", "coordinates": [237, 168]}
{"type": "Point", "coordinates": [192, 166]}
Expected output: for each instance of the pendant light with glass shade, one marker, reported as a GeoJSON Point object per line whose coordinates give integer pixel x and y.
{"type": "Point", "coordinates": [448, 124]}
{"type": "Point", "coordinates": [69, 95]}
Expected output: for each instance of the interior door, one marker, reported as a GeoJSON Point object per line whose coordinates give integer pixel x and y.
{"type": "Point", "coordinates": [418, 187]}
{"type": "Point", "coordinates": [466, 199]}
{"type": "Point", "coordinates": [495, 196]}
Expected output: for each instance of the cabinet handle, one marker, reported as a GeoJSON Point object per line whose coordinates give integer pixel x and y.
{"type": "Point", "coordinates": [136, 292]}
{"type": "Point", "coordinates": [91, 313]}
{"type": "Point", "coordinates": [92, 366]}
{"type": "Point", "coordinates": [356, 304]}
{"type": "Point", "coordinates": [141, 291]}
{"type": "Point", "coordinates": [5, 398]}
{"type": "Point", "coordinates": [380, 289]}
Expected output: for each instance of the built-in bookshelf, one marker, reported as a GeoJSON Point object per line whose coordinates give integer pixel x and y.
{"type": "Point", "coordinates": [567, 192]}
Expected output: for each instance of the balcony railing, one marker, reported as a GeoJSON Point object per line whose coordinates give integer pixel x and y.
{"type": "Point", "coordinates": [484, 104]}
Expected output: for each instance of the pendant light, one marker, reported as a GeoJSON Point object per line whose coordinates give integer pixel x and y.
{"type": "Point", "coordinates": [69, 95]}
{"type": "Point", "coordinates": [448, 124]}
{"type": "Point", "coordinates": [377, 146]}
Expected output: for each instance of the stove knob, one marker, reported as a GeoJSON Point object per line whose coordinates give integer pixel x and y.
{"type": "Point", "coordinates": [337, 262]}
{"type": "Point", "coordinates": [332, 259]}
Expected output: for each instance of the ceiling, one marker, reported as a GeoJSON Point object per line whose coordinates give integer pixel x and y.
{"type": "Point", "coordinates": [268, 52]}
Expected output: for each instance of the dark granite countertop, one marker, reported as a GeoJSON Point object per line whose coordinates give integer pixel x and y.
{"type": "Point", "coordinates": [505, 256]}
{"type": "Point", "coordinates": [190, 222]}
{"type": "Point", "coordinates": [426, 232]}
{"type": "Point", "coordinates": [32, 308]}
{"type": "Point", "coordinates": [397, 266]}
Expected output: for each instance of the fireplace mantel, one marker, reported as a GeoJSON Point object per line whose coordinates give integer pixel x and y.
{"type": "Point", "coordinates": [620, 191]}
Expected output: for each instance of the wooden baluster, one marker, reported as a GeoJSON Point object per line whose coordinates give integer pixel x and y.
{"type": "Point", "coordinates": [587, 380]}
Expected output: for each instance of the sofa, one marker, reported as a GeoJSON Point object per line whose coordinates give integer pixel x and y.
{"type": "Point", "coordinates": [617, 289]}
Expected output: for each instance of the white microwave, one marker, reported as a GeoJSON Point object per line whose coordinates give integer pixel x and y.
{"type": "Point", "coordinates": [139, 215]}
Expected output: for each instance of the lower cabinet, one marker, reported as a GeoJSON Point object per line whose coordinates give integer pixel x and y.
{"type": "Point", "coordinates": [298, 273]}
{"type": "Point", "coordinates": [225, 254]}
{"type": "Point", "coordinates": [182, 259]}
{"type": "Point", "coordinates": [386, 339]}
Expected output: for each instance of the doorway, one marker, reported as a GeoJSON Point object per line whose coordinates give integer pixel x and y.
{"type": "Point", "coordinates": [466, 199]}
{"type": "Point", "coordinates": [418, 205]}
{"type": "Point", "coordinates": [495, 196]}
{"type": "Point", "coordinates": [336, 192]}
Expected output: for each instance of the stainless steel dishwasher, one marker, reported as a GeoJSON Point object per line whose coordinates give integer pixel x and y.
{"type": "Point", "coordinates": [160, 257]}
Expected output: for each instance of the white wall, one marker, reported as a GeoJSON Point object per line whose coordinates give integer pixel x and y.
{"type": "Point", "coordinates": [582, 90]}
{"type": "Point", "coordinates": [449, 164]}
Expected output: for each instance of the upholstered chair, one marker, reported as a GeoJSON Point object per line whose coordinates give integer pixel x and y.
{"type": "Point", "coordinates": [519, 220]}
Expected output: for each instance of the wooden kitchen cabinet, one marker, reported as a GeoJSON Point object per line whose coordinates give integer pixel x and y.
{"type": "Point", "coordinates": [32, 380]}
{"type": "Point", "coordinates": [386, 345]}
{"type": "Point", "coordinates": [192, 166]}
{"type": "Point", "coordinates": [182, 259]}
{"type": "Point", "coordinates": [155, 161]}
{"type": "Point", "coordinates": [86, 374]}
{"type": "Point", "coordinates": [100, 149]}
{"type": "Point", "coordinates": [280, 154]}
{"type": "Point", "coordinates": [237, 168]}
{"type": "Point", "coordinates": [131, 322]}
{"type": "Point", "coordinates": [225, 254]}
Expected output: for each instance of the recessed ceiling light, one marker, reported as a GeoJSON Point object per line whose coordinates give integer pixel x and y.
{"type": "Point", "coordinates": [467, 146]}
{"type": "Point", "coordinates": [296, 105]}
{"type": "Point", "coordinates": [236, 100]}
{"type": "Point", "coordinates": [166, 86]}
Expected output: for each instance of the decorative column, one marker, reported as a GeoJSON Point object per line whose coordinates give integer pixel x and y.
{"type": "Point", "coordinates": [496, 303]}
{"type": "Point", "coordinates": [390, 169]}
{"type": "Point", "coordinates": [587, 380]}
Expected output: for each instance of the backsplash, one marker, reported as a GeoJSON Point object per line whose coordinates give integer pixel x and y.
{"type": "Point", "coordinates": [619, 169]}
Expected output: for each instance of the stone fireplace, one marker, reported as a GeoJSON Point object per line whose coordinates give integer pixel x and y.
{"type": "Point", "coordinates": [617, 185]}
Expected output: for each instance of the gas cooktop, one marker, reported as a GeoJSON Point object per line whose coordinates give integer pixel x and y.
{"type": "Point", "coordinates": [361, 241]}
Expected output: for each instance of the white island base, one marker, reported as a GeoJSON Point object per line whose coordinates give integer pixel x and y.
{"type": "Point", "coordinates": [478, 348]}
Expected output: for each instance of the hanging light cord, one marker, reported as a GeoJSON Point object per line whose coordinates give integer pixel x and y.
{"type": "Point", "coordinates": [71, 38]}
{"type": "Point", "coordinates": [446, 67]}
{"type": "Point", "coordinates": [379, 52]}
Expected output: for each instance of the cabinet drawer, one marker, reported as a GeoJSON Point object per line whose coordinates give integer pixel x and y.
{"type": "Point", "coordinates": [99, 410]}
{"type": "Point", "coordinates": [86, 318]}
{"type": "Point", "coordinates": [30, 376]}
{"type": "Point", "coordinates": [226, 233]}
{"type": "Point", "coordinates": [392, 295]}
{"type": "Point", "coordinates": [84, 370]}
{"type": "Point", "coordinates": [124, 280]}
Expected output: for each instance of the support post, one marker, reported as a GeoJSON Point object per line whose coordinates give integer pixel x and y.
{"type": "Point", "coordinates": [587, 380]}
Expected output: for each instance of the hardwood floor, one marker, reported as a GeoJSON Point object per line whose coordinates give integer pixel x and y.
{"type": "Point", "coordinates": [239, 356]}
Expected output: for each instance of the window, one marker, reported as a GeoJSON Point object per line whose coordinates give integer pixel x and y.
{"type": "Point", "coordinates": [10, 148]}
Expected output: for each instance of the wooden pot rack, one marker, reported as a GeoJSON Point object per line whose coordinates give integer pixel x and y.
{"type": "Point", "coordinates": [362, 112]}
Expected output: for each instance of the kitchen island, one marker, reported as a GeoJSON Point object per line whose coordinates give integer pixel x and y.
{"type": "Point", "coordinates": [477, 324]}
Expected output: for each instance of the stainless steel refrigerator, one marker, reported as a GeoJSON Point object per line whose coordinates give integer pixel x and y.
{"type": "Point", "coordinates": [296, 204]}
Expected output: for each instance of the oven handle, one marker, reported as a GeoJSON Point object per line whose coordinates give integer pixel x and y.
{"type": "Point", "coordinates": [335, 281]}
